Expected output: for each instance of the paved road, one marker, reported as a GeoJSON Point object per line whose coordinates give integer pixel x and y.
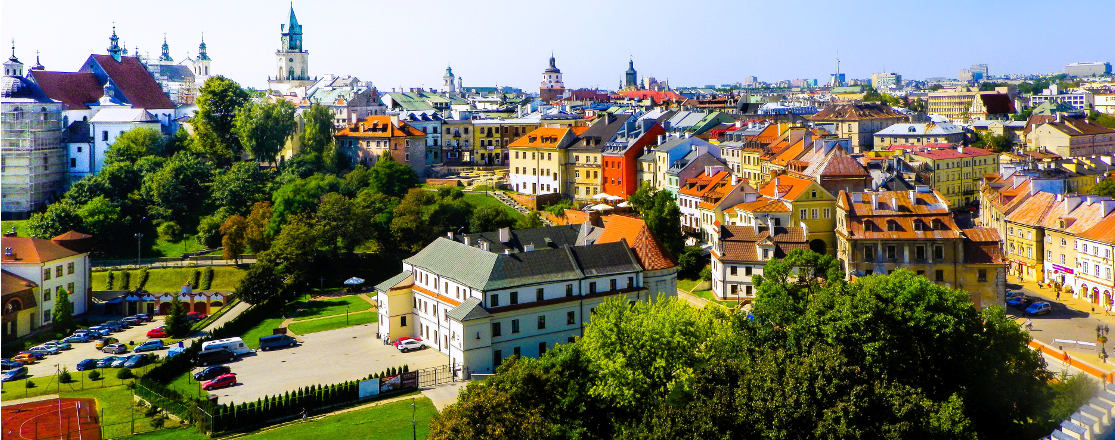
{"type": "Point", "coordinates": [322, 358]}
{"type": "Point", "coordinates": [70, 358]}
{"type": "Point", "coordinates": [1063, 323]}
{"type": "Point", "coordinates": [236, 310]}
{"type": "Point", "coordinates": [445, 395]}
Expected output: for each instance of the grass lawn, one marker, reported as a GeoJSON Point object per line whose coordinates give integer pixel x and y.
{"type": "Point", "coordinates": [20, 227]}
{"type": "Point", "coordinates": [339, 321]}
{"type": "Point", "coordinates": [171, 279]}
{"type": "Point", "coordinates": [387, 421]}
{"type": "Point", "coordinates": [185, 385]}
{"type": "Point", "coordinates": [164, 248]}
{"type": "Point", "coordinates": [171, 434]}
{"type": "Point", "coordinates": [17, 389]}
{"type": "Point", "coordinates": [264, 328]}
{"type": "Point", "coordinates": [335, 306]}
{"type": "Point", "coordinates": [687, 285]}
{"type": "Point", "coordinates": [115, 405]}
{"type": "Point", "coordinates": [707, 294]}
{"type": "Point", "coordinates": [478, 200]}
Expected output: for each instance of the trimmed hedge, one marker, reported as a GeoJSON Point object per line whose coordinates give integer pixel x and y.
{"type": "Point", "coordinates": [206, 279]}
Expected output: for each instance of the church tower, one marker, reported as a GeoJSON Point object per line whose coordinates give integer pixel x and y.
{"type": "Point", "coordinates": [292, 68]}
{"type": "Point", "coordinates": [114, 48]}
{"type": "Point", "coordinates": [13, 67]}
{"type": "Point", "coordinates": [631, 78]}
{"type": "Point", "coordinates": [201, 65]}
{"type": "Point", "coordinates": [164, 57]}
{"type": "Point", "coordinates": [552, 87]}
{"type": "Point", "coordinates": [448, 84]}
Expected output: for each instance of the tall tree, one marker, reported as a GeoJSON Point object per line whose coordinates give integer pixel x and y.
{"type": "Point", "coordinates": [317, 130]}
{"type": "Point", "coordinates": [176, 324]}
{"type": "Point", "coordinates": [490, 218]}
{"type": "Point", "coordinates": [58, 218]}
{"type": "Point", "coordinates": [233, 237]}
{"type": "Point", "coordinates": [263, 128]}
{"type": "Point", "coordinates": [260, 283]}
{"type": "Point", "coordinates": [255, 235]}
{"type": "Point", "coordinates": [1105, 187]}
{"type": "Point", "coordinates": [63, 313]}
{"type": "Point", "coordinates": [392, 178]}
{"type": "Point", "coordinates": [293, 251]}
{"type": "Point", "coordinates": [179, 189]}
{"type": "Point", "coordinates": [217, 102]}
{"type": "Point", "coordinates": [134, 144]}
{"type": "Point", "coordinates": [300, 196]}
{"type": "Point", "coordinates": [241, 186]}
{"type": "Point", "coordinates": [336, 225]}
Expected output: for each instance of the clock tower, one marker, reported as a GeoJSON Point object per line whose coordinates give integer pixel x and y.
{"type": "Point", "coordinates": [292, 62]}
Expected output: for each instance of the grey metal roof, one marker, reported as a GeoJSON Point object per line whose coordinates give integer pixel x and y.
{"type": "Point", "coordinates": [468, 310]}
{"type": "Point", "coordinates": [391, 282]}
{"type": "Point", "coordinates": [465, 264]}
{"type": "Point", "coordinates": [564, 235]}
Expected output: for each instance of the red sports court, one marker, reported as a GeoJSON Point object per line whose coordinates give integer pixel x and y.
{"type": "Point", "coordinates": [74, 419]}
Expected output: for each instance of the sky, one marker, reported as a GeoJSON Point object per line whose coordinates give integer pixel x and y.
{"type": "Point", "coordinates": [507, 43]}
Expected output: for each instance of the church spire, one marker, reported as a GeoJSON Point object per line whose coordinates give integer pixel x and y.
{"type": "Point", "coordinates": [202, 54]}
{"type": "Point", "coordinates": [114, 45]}
{"type": "Point", "coordinates": [13, 58]}
{"type": "Point", "coordinates": [165, 56]}
{"type": "Point", "coordinates": [38, 65]}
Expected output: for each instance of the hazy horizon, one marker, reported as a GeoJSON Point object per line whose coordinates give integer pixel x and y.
{"type": "Point", "coordinates": [507, 43]}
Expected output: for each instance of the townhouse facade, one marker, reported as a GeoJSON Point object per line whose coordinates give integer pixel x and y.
{"type": "Point", "coordinates": [376, 136]}
{"type": "Point", "coordinates": [741, 252]}
{"type": "Point", "coordinates": [48, 268]}
{"type": "Point", "coordinates": [538, 161]}
{"type": "Point", "coordinates": [955, 172]}
{"type": "Point", "coordinates": [1094, 269]}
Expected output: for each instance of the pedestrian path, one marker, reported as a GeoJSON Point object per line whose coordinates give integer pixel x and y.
{"type": "Point", "coordinates": [1077, 304]}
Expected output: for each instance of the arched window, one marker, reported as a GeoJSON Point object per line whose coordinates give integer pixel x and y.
{"type": "Point", "coordinates": [290, 73]}
{"type": "Point", "coordinates": [14, 305]}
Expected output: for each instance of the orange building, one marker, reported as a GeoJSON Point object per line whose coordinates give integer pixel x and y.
{"type": "Point", "coordinates": [374, 136]}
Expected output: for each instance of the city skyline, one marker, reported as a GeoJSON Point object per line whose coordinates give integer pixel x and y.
{"type": "Point", "coordinates": [503, 48]}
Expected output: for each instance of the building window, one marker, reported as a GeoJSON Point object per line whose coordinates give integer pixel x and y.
{"type": "Point", "coordinates": [402, 321]}
{"type": "Point", "coordinates": [497, 357]}
{"type": "Point", "coordinates": [592, 287]}
{"type": "Point", "coordinates": [46, 274]}
{"type": "Point", "coordinates": [732, 270]}
{"type": "Point", "coordinates": [570, 317]}
{"type": "Point", "coordinates": [939, 275]}
{"type": "Point", "coordinates": [514, 326]}
{"type": "Point", "coordinates": [46, 294]}
{"type": "Point", "coordinates": [70, 268]}
{"type": "Point", "coordinates": [541, 348]}
{"type": "Point", "coordinates": [70, 289]}
{"type": "Point", "coordinates": [496, 330]}
{"type": "Point", "coordinates": [747, 270]}
{"type": "Point", "coordinates": [538, 295]}
{"type": "Point", "coordinates": [493, 300]}
{"type": "Point", "coordinates": [982, 275]}
{"type": "Point", "coordinates": [514, 298]}
{"type": "Point", "coordinates": [868, 253]}
{"type": "Point", "coordinates": [568, 290]}
{"type": "Point", "coordinates": [612, 283]}
{"type": "Point", "coordinates": [541, 322]}
{"type": "Point", "coordinates": [938, 252]}
{"type": "Point", "coordinates": [919, 253]}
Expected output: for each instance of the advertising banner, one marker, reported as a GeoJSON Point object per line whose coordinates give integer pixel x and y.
{"type": "Point", "coordinates": [369, 388]}
{"type": "Point", "coordinates": [405, 381]}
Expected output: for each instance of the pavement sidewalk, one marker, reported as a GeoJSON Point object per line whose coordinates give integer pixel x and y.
{"type": "Point", "coordinates": [1080, 305]}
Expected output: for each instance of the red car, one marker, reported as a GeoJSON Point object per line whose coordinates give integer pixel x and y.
{"type": "Point", "coordinates": [196, 316]}
{"type": "Point", "coordinates": [156, 333]}
{"type": "Point", "coordinates": [405, 338]}
{"type": "Point", "coordinates": [224, 380]}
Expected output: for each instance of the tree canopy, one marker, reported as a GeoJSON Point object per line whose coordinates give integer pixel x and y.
{"type": "Point", "coordinates": [217, 102]}
{"type": "Point", "coordinates": [662, 215]}
{"type": "Point", "coordinates": [264, 127]}
{"type": "Point", "coordinates": [884, 356]}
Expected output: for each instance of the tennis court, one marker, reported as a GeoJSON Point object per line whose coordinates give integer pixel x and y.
{"type": "Point", "coordinates": [54, 419]}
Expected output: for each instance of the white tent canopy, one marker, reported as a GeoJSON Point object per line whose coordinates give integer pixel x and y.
{"type": "Point", "coordinates": [603, 196]}
{"type": "Point", "coordinates": [600, 207]}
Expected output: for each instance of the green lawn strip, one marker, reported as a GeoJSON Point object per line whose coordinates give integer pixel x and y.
{"type": "Point", "coordinates": [17, 389]}
{"type": "Point", "coordinates": [687, 285]}
{"type": "Point", "coordinates": [165, 248]}
{"type": "Point", "coordinates": [186, 385]}
{"type": "Point", "coordinates": [264, 328]}
{"type": "Point", "coordinates": [707, 294]}
{"type": "Point", "coordinates": [331, 323]}
{"type": "Point", "coordinates": [478, 200]}
{"type": "Point", "coordinates": [171, 434]}
{"type": "Point", "coordinates": [171, 279]}
{"type": "Point", "coordinates": [116, 408]}
{"type": "Point", "coordinates": [20, 227]}
{"type": "Point", "coordinates": [335, 306]}
{"type": "Point", "coordinates": [215, 315]}
{"type": "Point", "coordinates": [386, 421]}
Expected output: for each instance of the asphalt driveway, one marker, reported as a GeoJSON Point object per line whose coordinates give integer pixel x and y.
{"type": "Point", "coordinates": [50, 365]}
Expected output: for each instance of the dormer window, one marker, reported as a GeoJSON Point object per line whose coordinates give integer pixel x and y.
{"type": "Point", "coordinates": [892, 225]}
{"type": "Point", "coordinates": [938, 224]}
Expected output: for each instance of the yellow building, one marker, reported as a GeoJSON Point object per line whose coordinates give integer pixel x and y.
{"type": "Point", "coordinates": [792, 202]}
{"type": "Point", "coordinates": [584, 157]}
{"type": "Point", "coordinates": [20, 308]}
{"type": "Point", "coordinates": [956, 103]}
{"type": "Point", "coordinates": [537, 164]}
{"type": "Point", "coordinates": [1026, 237]}
{"type": "Point", "coordinates": [955, 172]}
{"type": "Point", "coordinates": [880, 232]}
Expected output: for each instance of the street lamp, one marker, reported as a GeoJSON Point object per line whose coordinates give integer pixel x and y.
{"type": "Point", "coordinates": [346, 316]}
{"type": "Point", "coordinates": [139, 247]}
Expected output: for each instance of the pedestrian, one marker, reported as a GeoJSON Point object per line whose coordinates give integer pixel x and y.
{"type": "Point", "coordinates": [1029, 325]}
{"type": "Point", "coordinates": [303, 414]}
{"type": "Point", "coordinates": [1058, 295]}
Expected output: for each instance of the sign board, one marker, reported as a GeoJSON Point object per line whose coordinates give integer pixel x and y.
{"type": "Point", "coordinates": [369, 388]}
{"type": "Point", "coordinates": [405, 381]}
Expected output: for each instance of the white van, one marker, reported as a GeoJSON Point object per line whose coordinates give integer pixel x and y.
{"type": "Point", "coordinates": [235, 345]}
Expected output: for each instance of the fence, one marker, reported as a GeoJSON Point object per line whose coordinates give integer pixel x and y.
{"type": "Point", "coordinates": [79, 381]}
{"type": "Point", "coordinates": [171, 261]}
{"type": "Point", "coordinates": [111, 413]}
{"type": "Point", "coordinates": [434, 376]}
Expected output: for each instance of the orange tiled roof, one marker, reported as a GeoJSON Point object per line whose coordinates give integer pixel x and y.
{"type": "Point", "coordinates": [1080, 218]}
{"type": "Point", "coordinates": [903, 227]}
{"type": "Point", "coordinates": [380, 126]}
{"type": "Point", "coordinates": [1031, 211]}
{"type": "Point", "coordinates": [702, 184]}
{"type": "Point", "coordinates": [33, 250]}
{"type": "Point", "coordinates": [1104, 231]}
{"type": "Point", "coordinates": [13, 283]}
{"type": "Point", "coordinates": [543, 137]}
{"type": "Point", "coordinates": [763, 204]}
{"type": "Point", "coordinates": [789, 187]}
{"type": "Point", "coordinates": [635, 231]}
{"type": "Point", "coordinates": [894, 203]}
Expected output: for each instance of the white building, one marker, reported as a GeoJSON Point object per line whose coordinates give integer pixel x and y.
{"type": "Point", "coordinates": [742, 251]}
{"type": "Point", "coordinates": [1093, 279]}
{"type": "Point", "coordinates": [109, 123]}
{"type": "Point", "coordinates": [1078, 98]}
{"type": "Point", "coordinates": [53, 268]}
{"type": "Point", "coordinates": [1104, 103]}
{"type": "Point", "coordinates": [481, 298]}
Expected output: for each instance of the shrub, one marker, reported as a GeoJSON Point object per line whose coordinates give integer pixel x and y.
{"type": "Point", "coordinates": [143, 276]}
{"type": "Point", "coordinates": [151, 412]}
{"type": "Point", "coordinates": [158, 422]}
{"type": "Point", "coordinates": [706, 273]}
{"type": "Point", "coordinates": [206, 279]}
{"type": "Point", "coordinates": [197, 279]}
{"type": "Point", "coordinates": [111, 280]}
{"type": "Point", "coordinates": [29, 384]}
{"type": "Point", "coordinates": [170, 231]}
{"type": "Point", "coordinates": [94, 375]}
{"type": "Point", "coordinates": [124, 373]}
{"type": "Point", "coordinates": [64, 376]}
{"type": "Point", "coordinates": [125, 280]}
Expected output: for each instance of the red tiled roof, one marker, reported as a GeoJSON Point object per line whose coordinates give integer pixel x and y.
{"type": "Point", "coordinates": [789, 187]}
{"type": "Point", "coordinates": [953, 153]}
{"type": "Point", "coordinates": [33, 250]}
{"type": "Point", "coordinates": [13, 283]}
{"type": "Point", "coordinates": [135, 82]}
{"type": "Point", "coordinates": [997, 103]}
{"type": "Point", "coordinates": [739, 243]}
{"type": "Point", "coordinates": [850, 112]}
{"type": "Point", "coordinates": [891, 203]}
{"type": "Point", "coordinates": [638, 237]}
{"type": "Point", "coordinates": [1031, 211]}
{"type": "Point", "coordinates": [1080, 127]}
{"type": "Point", "coordinates": [654, 96]}
{"type": "Point", "coordinates": [73, 89]}
{"type": "Point", "coordinates": [380, 126]}
{"type": "Point", "coordinates": [1103, 231]}
{"type": "Point", "coordinates": [543, 137]}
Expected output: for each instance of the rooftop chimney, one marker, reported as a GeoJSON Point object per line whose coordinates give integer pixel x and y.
{"type": "Point", "coordinates": [770, 226]}
{"type": "Point", "coordinates": [874, 201]}
{"type": "Point", "coordinates": [450, 235]}
{"type": "Point", "coordinates": [1107, 206]}
{"type": "Point", "coordinates": [804, 229]}
{"type": "Point", "coordinates": [755, 226]}
{"type": "Point", "coordinates": [857, 197]}
{"type": "Point", "coordinates": [894, 203]}
{"type": "Point", "coordinates": [484, 244]}
{"type": "Point", "coordinates": [913, 197]}
{"type": "Point", "coordinates": [467, 241]}
{"type": "Point", "coordinates": [504, 235]}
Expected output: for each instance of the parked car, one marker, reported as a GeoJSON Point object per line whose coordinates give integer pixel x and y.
{"type": "Point", "coordinates": [115, 348]}
{"type": "Point", "coordinates": [24, 358]}
{"type": "Point", "coordinates": [107, 361]}
{"type": "Point", "coordinates": [58, 344]}
{"type": "Point", "coordinates": [276, 341]}
{"type": "Point", "coordinates": [213, 357]}
{"type": "Point", "coordinates": [212, 372]}
{"type": "Point", "coordinates": [119, 362]}
{"type": "Point", "coordinates": [156, 333]}
{"type": "Point", "coordinates": [1012, 293]}
{"type": "Point", "coordinates": [405, 338]}
{"type": "Point", "coordinates": [196, 316]}
{"type": "Point", "coordinates": [8, 364]}
{"type": "Point", "coordinates": [131, 320]}
{"type": "Point", "coordinates": [76, 338]}
{"type": "Point", "coordinates": [14, 373]}
{"type": "Point", "coordinates": [115, 326]}
{"type": "Point", "coordinates": [102, 342]}
{"type": "Point", "coordinates": [144, 317]}
{"type": "Point", "coordinates": [224, 380]}
{"type": "Point", "coordinates": [135, 360]}
{"type": "Point", "coordinates": [411, 345]}
{"type": "Point", "coordinates": [101, 331]}
{"type": "Point", "coordinates": [151, 345]}
{"type": "Point", "coordinates": [38, 355]}
{"type": "Point", "coordinates": [87, 364]}
{"type": "Point", "coordinates": [1021, 301]}
{"type": "Point", "coordinates": [1039, 308]}
{"type": "Point", "coordinates": [45, 349]}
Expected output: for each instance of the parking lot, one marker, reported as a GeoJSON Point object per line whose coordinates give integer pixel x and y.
{"type": "Point", "coordinates": [51, 364]}
{"type": "Point", "coordinates": [321, 358]}
{"type": "Point", "coordinates": [1062, 324]}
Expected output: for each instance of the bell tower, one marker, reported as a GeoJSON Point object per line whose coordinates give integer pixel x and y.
{"type": "Point", "coordinates": [448, 83]}
{"type": "Point", "coordinates": [292, 62]}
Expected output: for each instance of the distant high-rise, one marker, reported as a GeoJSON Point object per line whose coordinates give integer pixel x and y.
{"type": "Point", "coordinates": [1093, 68]}
{"type": "Point", "coordinates": [975, 72]}
{"type": "Point", "coordinates": [886, 80]}
{"type": "Point", "coordinates": [837, 79]}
